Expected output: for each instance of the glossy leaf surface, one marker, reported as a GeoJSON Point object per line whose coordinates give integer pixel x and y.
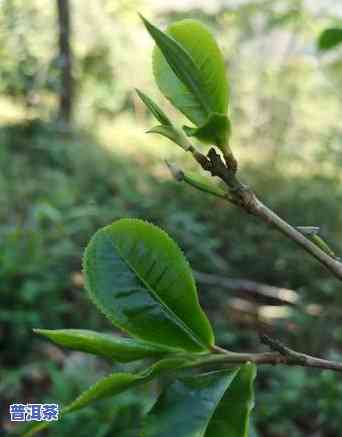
{"type": "Point", "coordinates": [106, 345]}
{"type": "Point", "coordinates": [138, 277]}
{"type": "Point", "coordinates": [189, 69]}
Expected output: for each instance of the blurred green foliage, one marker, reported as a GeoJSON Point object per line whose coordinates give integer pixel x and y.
{"type": "Point", "coordinates": [58, 187]}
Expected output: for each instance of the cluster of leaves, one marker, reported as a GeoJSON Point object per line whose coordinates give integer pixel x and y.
{"type": "Point", "coordinates": [189, 70]}
{"type": "Point", "coordinates": [138, 277]}
{"type": "Point", "coordinates": [66, 191]}
{"type": "Point", "coordinates": [66, 196]}
{"type": "Point", "coordinates": [139, 280]}
{"type": "Point", "coordinates": [70, 190]}
{"type": "Point", "coordinates": [56, 186]}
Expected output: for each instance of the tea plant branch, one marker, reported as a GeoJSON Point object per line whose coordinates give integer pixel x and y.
{"type": "Point", "coordinates": [242, 196]}
{"type": "Point", "coordinates": [281, 354]}
{"type": "Point", "coordinates": [180, 176]}
{"type": "Point", "coordinates": [245, 198]}
{"type": "Point", "coordinates": [298, 358]}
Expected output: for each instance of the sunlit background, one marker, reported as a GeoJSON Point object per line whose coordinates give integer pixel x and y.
{"type": "Point", "coordinates": [67, 170]}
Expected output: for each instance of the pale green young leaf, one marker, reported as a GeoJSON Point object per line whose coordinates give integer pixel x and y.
{"type": "Point", "coordinates": [185, 72]}
{"type": "Point", "coordinates": [216, 130]}
{"type": "Point", "coordinates": [139, 278]}
{"type": "Point", "coordinates": [204, 183]}
{"type": "Point", "coordinates": [172, 134]}
{"type": "Point", "coordinates": [116, 348]}
{"type": "Point", "coordinates": [154, 108]}
{"type": "Point", "coordinates": [166, 129]}
{"type": "Point", "coordinates": [189, 69]}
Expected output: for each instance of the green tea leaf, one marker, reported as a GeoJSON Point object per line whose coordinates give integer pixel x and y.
{"type": "Point", "coordinates": [189, 69]}
{"type": "Point", "coordinates": [106, 387]}
{"type": "Point", "coordinates": [330, 38]}
{"type": "Point", "coordinates": [112, 385]}
{"type": "Point", "coordinates": [138, 277]}
{"type": "Point", "coordinates": [322, 245]}
{"type": "Point", "coordinates": [172, 134]}
{"type": "Point", "coordinates": [204, 183]}
{"type": "Point", "coordinates": [216, 130]}
{"type": "Point", "coordinates": [119, 382]}
{"type": "Point", "coordinates": [209, 405]}
{"type": "Point", "coordinates": [154, 108]}
{"type": "Point", "coordinates": [116, 348]}
{"type": "Point", "coordinates": [166, 129]}
{"type": "Point", "coordinates": [231, 417]}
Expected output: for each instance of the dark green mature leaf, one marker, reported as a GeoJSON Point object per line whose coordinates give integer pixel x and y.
{"type": "Point", "coordinates": [231, 418]}
{"type": "Point", "coordinates": [138, 277]}
{"type": "Point", "coordinates": [189, 69]}
{"type": "Point", "coordinates": [112, 385]}
{"type": "Point", "coordinates": [154, 108]}
{"type": "Point", "coordinates": [215, 404]}
{"type": "Point", "coordinates": [216, 130]}
{"type": "Point", "coordinates": [116, 348]}
{"type": "Point", "coordinates": [330, 38]}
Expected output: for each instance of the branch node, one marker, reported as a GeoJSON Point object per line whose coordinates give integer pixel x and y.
{"type": "Point", "coordinates": [275, 345]}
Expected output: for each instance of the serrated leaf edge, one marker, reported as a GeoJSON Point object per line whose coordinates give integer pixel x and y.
{"type": "Point", "coordinates": [181, 324]}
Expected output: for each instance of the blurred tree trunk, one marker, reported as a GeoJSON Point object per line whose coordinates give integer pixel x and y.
{"type": "Point", "coordinates": [65, 62]}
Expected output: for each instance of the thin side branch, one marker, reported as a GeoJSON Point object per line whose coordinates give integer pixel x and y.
{"type": "Point", "coordinates": [269, 217]}
{"type": "Point", "coordinates": [180, 176]}
{"type": "Point", "coordinates": [281, 355]}
{"type": "Point", "coordinates": [246, 199]}
{"type": "Point", "coordinates": [298, 358]}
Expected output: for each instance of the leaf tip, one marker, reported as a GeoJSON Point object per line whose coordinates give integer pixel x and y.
{"type": "Point", "coordinates": [147, 24]}
{"type": "Point", "coordinates": [140, 93]}
{"type": "Point", "coordinates": [44, 332]}
{"type": "Point", "coordinates": [141, 16]}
